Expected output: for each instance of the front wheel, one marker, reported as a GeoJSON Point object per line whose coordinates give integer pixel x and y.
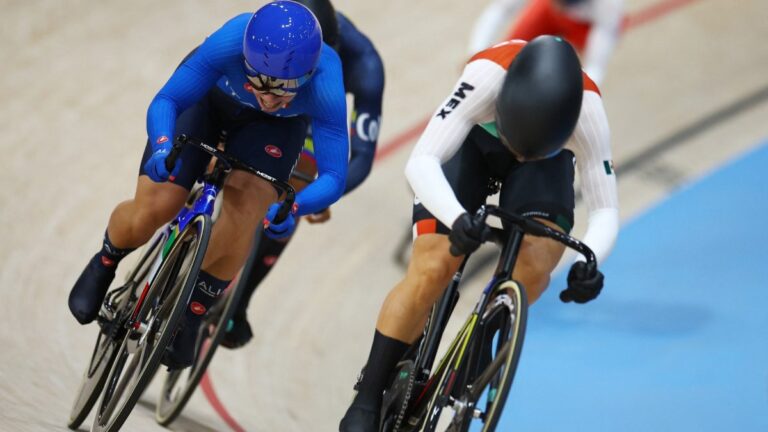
{"type": "Point", "coordinates": [119, 302]}
{"type": "Point", "coordinates": [474, 394]}
{"type": "Point", "coordinates": [161, 306]}
{"type": "Point", "coordinates": [502, 333]}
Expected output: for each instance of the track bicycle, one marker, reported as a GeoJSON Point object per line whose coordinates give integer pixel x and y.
{"type": "Point", "coordinates": [470, 384]}
{"type": "Point", "coordinates": [179, 385]}
{"type": "Point", "coordinates": [139, 319]}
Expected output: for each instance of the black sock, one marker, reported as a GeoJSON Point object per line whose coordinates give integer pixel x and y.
{"type": "Point", "coordinates": [207, 290]}
{"type": "Point", "coordinates": [268, 252]}
{"type": "Point", "coordinates": [385, 353]}
{"type": "Point", "coordinates": [109, 256]}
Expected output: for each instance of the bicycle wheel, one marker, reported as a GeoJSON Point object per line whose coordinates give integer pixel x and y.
{"type": "Point", "coordinates": [503, 325]}
{"type": "Point", "coordinates": [108, 338]}
{"type": "Point", "coordinates": [179, 385]}
{"type": "Point", "coordinates": [475, 393]}
{"type": "Point", "coordinates": [163, 302]}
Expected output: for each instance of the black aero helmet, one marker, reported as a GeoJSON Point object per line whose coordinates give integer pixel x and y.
{"type": "Point", "coordinates": [540, 100]}
{"type": "Point", "coordinates": [326, 15]}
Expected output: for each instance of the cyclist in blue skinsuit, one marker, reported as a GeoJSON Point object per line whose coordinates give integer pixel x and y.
{"type": "Point", "coordinates": [364, 79]}
{"type": "Point", "coordinates": [261, 78]}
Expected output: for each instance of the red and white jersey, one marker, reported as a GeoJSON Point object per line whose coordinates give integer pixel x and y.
{"type": "Point", "coordinates": [472, 102]}
{"type": "Point", "coordinates": [592, 26]}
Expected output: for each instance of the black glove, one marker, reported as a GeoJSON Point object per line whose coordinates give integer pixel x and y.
{"type": "Point", "coordinates": [584, 283]}
{"type": "Point", "coordinates": [467, 234]}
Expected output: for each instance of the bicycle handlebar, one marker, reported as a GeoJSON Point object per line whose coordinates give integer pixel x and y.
{"type": "Point", "coordinates": [232, 162]}
{"type": "Point", "coordinates": [533, 227]}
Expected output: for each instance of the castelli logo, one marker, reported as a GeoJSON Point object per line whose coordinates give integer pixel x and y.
{"type": "Point", "coordinates": [273, 151]}
{"type": "Point", "coordinates": [270, 260]}
{"type": "Point", "coordinates": [248, 86]}
{"type": "Point", "coordinates": [295, 208]}
{"type": "Point", "coordinates": [107, 262]}
{"type": "Point", "coordinates": [197, 308]}
{"type": "Point", "coordinates": [162, 139]}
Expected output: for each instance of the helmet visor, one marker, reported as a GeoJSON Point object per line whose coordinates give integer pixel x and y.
{"type": "Point", "coordinates": [276, 86]}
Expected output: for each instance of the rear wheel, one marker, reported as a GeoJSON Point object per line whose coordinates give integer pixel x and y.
{"type": "Point", "coordinates": [164, 301]}
{"type": "Point", "coordinates": [111, 321]}
{"type": "Point", "coordinates": [474, 396]}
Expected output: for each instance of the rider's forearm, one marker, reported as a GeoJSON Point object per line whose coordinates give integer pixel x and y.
{"type": "Point", "coordinates": [602, 231]}
{"type": "Point", "coordinates": [161, 120]}
{"type": "Point", "coordinates": [360, 162]}
{"type": "Point", "coordinates": [321, 193]}
{"type": "Point", "coordinates": [368, 92]}
{"type": "Point", "coordinates": [331, 153]}
{"type": "Point", "coordinates": [425, 175]}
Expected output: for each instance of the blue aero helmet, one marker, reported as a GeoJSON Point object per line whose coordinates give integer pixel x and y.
{"type": "Point", "coordinates": [281, 47]}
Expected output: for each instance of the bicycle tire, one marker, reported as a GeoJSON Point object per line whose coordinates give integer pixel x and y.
{"type": "Point", "coordinates": [167, 298]}
{"type": "Point", "coordinates": [462, 396]}
{"type": "Point", "coordinates": [169, 407]}
{"type": "Point", "coordinates": [104, 350]}
{"type": "Point", "coordinates": [511, 303]}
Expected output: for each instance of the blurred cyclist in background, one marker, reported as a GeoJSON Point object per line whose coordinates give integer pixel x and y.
{"type": "Point", "coordinates": [591, 26]}
{"type": "Point", "coordinates": [262, 78]}
{"type": "Point", "coordinates": [364, 80]}
{"type": "Point", "coordinates": [519, 116]}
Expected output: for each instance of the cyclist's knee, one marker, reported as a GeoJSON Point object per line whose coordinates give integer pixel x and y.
{"type": "Point", "coordinates": [538, 258]}
{"type": "Point", "coordinates": [534, 282]}
{"type": "Point", "coordinates": [247, 197]}
{"type": "Point", "coordinates": [431, 268]}
{"type": "Point", "coordinates": [157, 203]}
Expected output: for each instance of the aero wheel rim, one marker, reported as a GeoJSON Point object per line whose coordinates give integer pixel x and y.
{"type": "Point", "coordinates": [109, 336]}
{"type": "Point", "coordinates": [177, 382]}
{"type": "Point", "coordinates": [140, 343]}
{"type": "Point", "coordinates": [113, 387]}
{"type": "Point", "coordinates": [93, 379]}
{"type": "Point", "coordinates": [506, 317]}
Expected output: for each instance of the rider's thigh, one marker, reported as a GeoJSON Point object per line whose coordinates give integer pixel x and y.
{"type": "Point", "coordinates": [431, 267]}
{"type": "Point", "coordinates": [542, 190]}
{"type": "Point", "coordinates": [158, 203]}
{"type": "Point", "coordinates": [247, 197]}
{"type": "Point", "coordinates": [537, 259]}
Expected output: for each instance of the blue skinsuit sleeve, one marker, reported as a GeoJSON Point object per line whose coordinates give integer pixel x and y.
{"type": "Point", "coordinates": [331, 140]}
{"type": "Point", "coordinates": [193, 78]}
{"type": "Point", "coordinates": [366, 83]}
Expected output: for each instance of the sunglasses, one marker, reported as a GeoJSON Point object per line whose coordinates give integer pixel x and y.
{"type": "Point", "coordinates": [275, 86]}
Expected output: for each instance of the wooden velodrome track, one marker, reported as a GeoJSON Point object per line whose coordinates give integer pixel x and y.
{"type": "Point", "coordinates": [686, 90]}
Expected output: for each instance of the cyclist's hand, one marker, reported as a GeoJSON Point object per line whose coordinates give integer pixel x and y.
{"type": "Point", "coordinates": [281, 230]}
{"type": "Point", "coordinates": [467, 234]}
{"type": "Point", "coordinates": [155, 166]}
{"type": "Point", "coordinates": [585, 282]}
{"type": "Point", "coordinates": [319, 217]}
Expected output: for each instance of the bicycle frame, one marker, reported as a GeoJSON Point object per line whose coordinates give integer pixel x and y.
{"type": "Point", "coordinates": [456, 357]}
{"type": "Point", "coordinates": [204, 203]}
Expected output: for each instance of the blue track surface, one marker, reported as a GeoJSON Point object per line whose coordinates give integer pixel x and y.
{"type": "Point", "coordinates": [679, 339]}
